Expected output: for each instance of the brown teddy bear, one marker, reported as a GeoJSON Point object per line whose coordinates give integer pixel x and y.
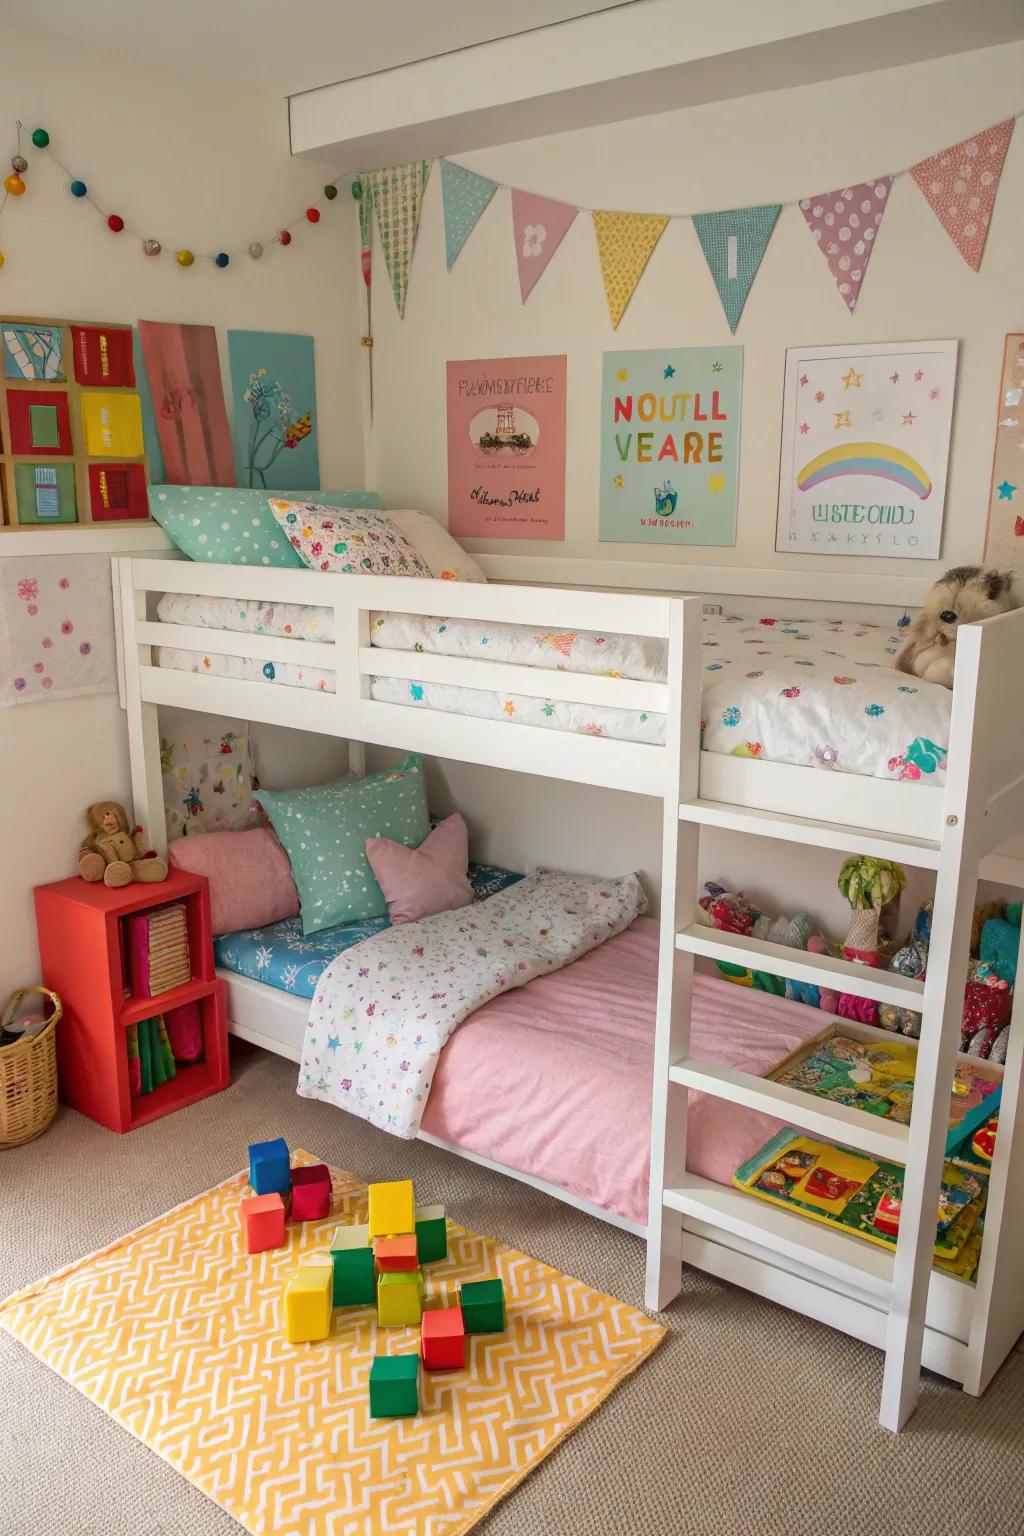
{"type": "Point", "coordinates": [113, 854]}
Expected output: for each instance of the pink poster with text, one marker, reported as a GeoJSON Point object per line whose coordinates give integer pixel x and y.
{"type": "Point", "coordinates": [506, 448]}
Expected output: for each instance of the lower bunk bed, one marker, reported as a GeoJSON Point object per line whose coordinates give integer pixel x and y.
{"type": "Point", "coordinates": [551, 1084]}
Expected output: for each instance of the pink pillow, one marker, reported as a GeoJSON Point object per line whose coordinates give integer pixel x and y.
{"type": "Point", "coordinates": [417, 882]}
{"type": "Point", "coordinates": [250, 878]}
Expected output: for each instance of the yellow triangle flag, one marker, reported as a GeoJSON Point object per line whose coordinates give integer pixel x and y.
{"type": "Point", "coordinates": [625, 243]}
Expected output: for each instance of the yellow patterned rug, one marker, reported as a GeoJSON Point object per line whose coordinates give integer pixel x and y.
{"type": "Point", "coordinates": [175, 1331]}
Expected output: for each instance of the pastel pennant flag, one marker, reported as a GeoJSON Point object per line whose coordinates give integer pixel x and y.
{"type": "Point", "coordinates": [465, 196]}
{"type": "Point", "coordinates": [625, 244]}
{"type": "Point", "coordinates": [733, 244]}
{"type": "Point", "coordinates": [845, 225]}
{"type": "Point", "coordinates": [397, 197]}
{"type": "Point", "coordinates": [539, 225]}
{"type": "Point", "coordinates": [961, 184]}
{"type": "Point", "coordinates": [365, 204]}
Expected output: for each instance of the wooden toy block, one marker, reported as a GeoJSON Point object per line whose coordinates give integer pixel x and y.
{"type": "Point", "coordinates": [263, 1221]}
{"type": "Point", "coordinates": [392, 1209]}
{"type": "Point", "coordinates": [443, 1339]}
{"type": "Point", "coordinates": [355, 1280]}
{"type": "Point", "coordinates": [431, 1234]}
{"type": "Point", "coordinates": [311, 1193]}
{"type": "Point", "coordinates": [396, 1253]}
{"type": "Point", "coordinates": [269, 1170]}
{"type": "Point", "coordinates": [394, 1386]}
{"type": "Point", "coordinates": [307, 1301]}
{"type": "Point", "coordinates": [400, 1299]}
{"type": "Point", "coordinates": [483, 1306]}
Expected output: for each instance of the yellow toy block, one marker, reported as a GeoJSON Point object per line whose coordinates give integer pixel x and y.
{"type": "Point", "coordinates": [392, 1209]}
{"type": "Point", "coordinates": [307, 1301]}
{"type": "Point", "coordinates": [400, 1298]}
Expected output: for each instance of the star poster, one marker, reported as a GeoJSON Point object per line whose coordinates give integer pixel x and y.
{"type": "Point", "coordinates": [670, 433]}
{"type": "Point", "coordinates": [1005, 545]}
{"type": "Point", "coordinates": [865, 444]}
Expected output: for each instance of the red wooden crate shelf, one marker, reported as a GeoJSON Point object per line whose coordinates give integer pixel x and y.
{"type": "Point", "coordinates": [81, 954]}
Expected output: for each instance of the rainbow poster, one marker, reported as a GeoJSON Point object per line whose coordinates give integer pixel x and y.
{"type": "Point", "coordinates": [865, 443]}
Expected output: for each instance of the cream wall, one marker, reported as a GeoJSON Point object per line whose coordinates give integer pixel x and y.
{"type": "Point", "coordinates": [199, 166]}
{"type": "Point", "coordinates": [776, 146]}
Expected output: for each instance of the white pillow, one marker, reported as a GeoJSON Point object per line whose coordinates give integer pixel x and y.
{"type": "Point", "coordinates": [435, 545]}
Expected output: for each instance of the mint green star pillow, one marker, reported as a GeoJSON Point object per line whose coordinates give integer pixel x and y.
{"type": "Point", "coordinates": [324, 830]}
{"type": "Point", "coordinates": [232, 525]}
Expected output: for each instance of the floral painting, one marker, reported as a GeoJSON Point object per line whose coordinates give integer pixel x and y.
{"type": "Point", "coordinates": [273, 388]}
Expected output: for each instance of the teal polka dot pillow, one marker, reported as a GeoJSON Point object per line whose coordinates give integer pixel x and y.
{"type": "Point", "coordinates": [235, 526]}
{"type": "Point", "coordinates": [324, 830]}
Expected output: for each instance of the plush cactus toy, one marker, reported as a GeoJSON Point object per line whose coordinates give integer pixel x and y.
{"type": "Point", "coordinates": [870, 886]}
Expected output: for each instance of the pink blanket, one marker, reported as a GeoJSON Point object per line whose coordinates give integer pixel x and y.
{"type": "Point", "coordinates": [554, 1079]}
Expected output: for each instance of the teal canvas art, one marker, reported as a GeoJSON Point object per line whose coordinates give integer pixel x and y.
{"type": "Point", "coordinates": [273, 396]}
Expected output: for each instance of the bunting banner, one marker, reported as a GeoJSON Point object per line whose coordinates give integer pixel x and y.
{"type": "Point", "coordinates": [397, 198]}
{"type": "Point", "coordinates": [539, 225]}
{"type": "Point", "coordinates": [365, 201]}
{"type": "Point", "coordinates": [465, 195]}
{"type": "Point", "coordinates": [960, 184]}
{"type": "Point", "coordinates": [845, 225]}
{"type": "Point", "coordinates": [625, 244]}
{"type": "Point", "coordinates": [734, 244]}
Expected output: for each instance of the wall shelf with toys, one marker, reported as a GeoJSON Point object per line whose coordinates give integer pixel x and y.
{"type": "Point", "coordinates": [86, 950]}
{"type": "Point", "coordinates": [72, 451]}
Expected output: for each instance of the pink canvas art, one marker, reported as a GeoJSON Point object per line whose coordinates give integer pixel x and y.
{"type": "Point", "coordinates": [506, 448]}
{"type": "Point", "coordinates": [845, 224]}
{"type": "Point", "coordinates": [538, 225]}
{"type": "Point", "coordinates": [188, 399]}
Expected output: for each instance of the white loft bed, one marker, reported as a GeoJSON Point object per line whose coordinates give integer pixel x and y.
{"type": "Point", "coordinates": [898, 1303]}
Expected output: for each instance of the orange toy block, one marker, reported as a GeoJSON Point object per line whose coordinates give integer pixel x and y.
{"type": "Point", "coordinates": [395, 1253]}
{"type": "Point", "coordinates": [263, 1220]}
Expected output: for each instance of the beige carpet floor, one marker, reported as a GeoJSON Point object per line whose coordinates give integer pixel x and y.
{"type": "Point", "coordinates": [748, 1421]}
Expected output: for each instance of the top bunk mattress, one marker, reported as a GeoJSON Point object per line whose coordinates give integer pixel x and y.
{"type": "Point", "coordinates": [820, 693]}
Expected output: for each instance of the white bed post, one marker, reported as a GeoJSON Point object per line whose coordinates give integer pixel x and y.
{"type": "Point", "coordinates": [955, 886]}
{"type": "Point", "coordinates": [142, 719]}
{"type": "Point", "coordinates": [680, 847]}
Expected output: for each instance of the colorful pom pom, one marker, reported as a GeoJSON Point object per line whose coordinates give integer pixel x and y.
{"type": "Point", "coordinates": [313, 215]}
{"type": "Point", "coordinates": [330, 191]}
{"type": "Point", "coordinates": [40, 138]}
{"type": "Point", "coordinates": [185, 258]}
{"type": "Point", "coordinates": [116, 223]}
{"type": "Point", "coordinates": [285, 237]}
{"type": "Point", "coordinates": [221, 259]}
{"type": "Point", "coordinates": [78, 189]}
{"type": "Point", "coordinates": [14, 185]}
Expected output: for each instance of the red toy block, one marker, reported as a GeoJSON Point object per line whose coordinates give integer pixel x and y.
{"type": "Point", "coordinates": [263, 1219]}
{"type": "Point", "coordinates": [311, 1193]}
{"type": "Point", "coordinates": [443, 1339]}
{"type": "Point", "coordinates": [396, 1253]}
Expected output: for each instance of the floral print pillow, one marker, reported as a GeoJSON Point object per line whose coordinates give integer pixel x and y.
{"type": "Point", "coordinates": [337, 539]}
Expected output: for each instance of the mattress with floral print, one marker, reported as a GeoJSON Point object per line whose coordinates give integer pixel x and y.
{"type": "Point", "coordinates": [817, 692]}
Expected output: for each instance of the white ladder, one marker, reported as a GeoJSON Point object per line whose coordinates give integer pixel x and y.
{"type": "Point", "coordinates": [899, 1282]}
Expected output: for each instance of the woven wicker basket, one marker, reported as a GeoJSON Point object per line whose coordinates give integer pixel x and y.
{"type": "Point", "coordinates": [28, 1075]}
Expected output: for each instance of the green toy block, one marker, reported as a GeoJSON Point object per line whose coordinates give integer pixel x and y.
{"type": "Point", "coordinates": [354, 1279]}
{"type": "Point", "coordinates": [394, 1386]}
{"type": "Point", "coordinates": [431, 1234]}
{"type": "Point", "coordinates": [483, 1306]}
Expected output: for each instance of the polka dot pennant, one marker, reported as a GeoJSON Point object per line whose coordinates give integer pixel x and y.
{"type": "Point", "coordinates": [465, 196]}
{"type": "Point", "coordinates": [845, 224]}
{"type": "Point", "coordinates": [625, 244]}
{"type": "Point", "coordinates": [961, 183]}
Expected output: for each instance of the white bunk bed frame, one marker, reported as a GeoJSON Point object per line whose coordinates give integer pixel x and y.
{"type": "Point", "coordinates": [896, 1302]}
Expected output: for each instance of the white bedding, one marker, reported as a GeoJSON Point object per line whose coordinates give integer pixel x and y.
{"type": "Point", "coordinates": [823, 693]}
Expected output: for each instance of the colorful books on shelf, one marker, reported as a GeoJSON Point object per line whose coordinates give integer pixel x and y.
{"type": "Point", "coordinates": [863, 1197]}
{"type": "Point", "coordinates": [150, 1058]}
{"type": "Point", "coordinates": [877, 1077]}
{"type": "Point", "coordinates": [158, 950]}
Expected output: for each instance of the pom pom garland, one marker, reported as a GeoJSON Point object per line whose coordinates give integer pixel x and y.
{"type": "Point", "coordinates": [285, 237]}
{"type": "Point", "coordinates": [19, 163]}
{"type": "Point", "coordinates": [221, 259]}
{"type": "Point", "coordinates": [116, 223]}
{"type": "Point", "coordinates": [185, 258]}
{"type": "Point", "coordinates": [14, 185]}
{"type": "Point", "coordinates": [78, 189]}
{"type": "Point", "coordinates": [40, 138]}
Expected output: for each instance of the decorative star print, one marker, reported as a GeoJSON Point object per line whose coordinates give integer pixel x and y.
{"type": "Point", "coordinates": [332, 1043]}
{"type": "Point", "coordinates": [935, 394]}
{"type": "Point", "coordinates": [669, 372]}
{"type": "Point", "coordinates": [894, 378]}
{"type": "Point", "coordinates": [716, 367]}
{"type": "Point", "coordinates": [803, 380]}
{"type": "Point", "coordinates": [617, 482]}
{"type": "Point", "coordinates": [909, 419]}
{"type": "Point", "coordinates": [805, 426]}
{"type": "Point", "coordinates": [878, 414]}
{"type": "Point", "coordinates": [819, 396]}
{"type": "Point", "coordinates": [716, 482]}
{"type": "Point", "coordinates": [622, 375]}
{"type": "Point", "coordinates": [918, 376]}
{"type": "Point", "coordinates": [851, 379]}
{"type": "Point", "coordinates": [842, 420]}
{"type": "Point", "coordinates": [1006, 491]}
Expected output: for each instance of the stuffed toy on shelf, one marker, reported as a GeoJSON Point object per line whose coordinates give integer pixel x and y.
{"type": "Point", "coordinates": [113, 854]}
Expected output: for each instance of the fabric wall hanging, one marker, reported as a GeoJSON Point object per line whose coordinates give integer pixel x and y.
{"type": "Point", "coordinates": [56, 628]}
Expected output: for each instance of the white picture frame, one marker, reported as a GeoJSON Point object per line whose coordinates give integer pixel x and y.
{"type": "Point", "coordinates": [868, 476]}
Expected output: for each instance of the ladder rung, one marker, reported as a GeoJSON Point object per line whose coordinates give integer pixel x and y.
{"type": "Point", "coordinates": [922, 852]}
{"type": "Point", "coordinates": [819, 970]}
{"type": "Point", "coordinates": [838, 1122]}
{"type": "Point", "coordinates": [864, 1266]}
